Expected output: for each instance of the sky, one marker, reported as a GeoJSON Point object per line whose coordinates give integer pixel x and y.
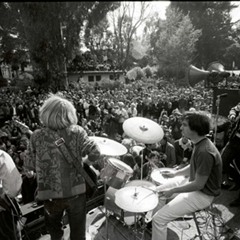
{"type": "Point", "coordinates": [160, 7]}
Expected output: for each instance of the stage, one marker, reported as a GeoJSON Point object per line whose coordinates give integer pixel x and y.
{"type": "Point", "coordinates": [184, 229]}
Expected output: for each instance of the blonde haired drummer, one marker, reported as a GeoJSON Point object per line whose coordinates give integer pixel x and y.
{"type": "Point", "coordinates": [204, 172]}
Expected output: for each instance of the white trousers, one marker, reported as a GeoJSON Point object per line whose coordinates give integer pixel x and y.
{"type": "Point", "coordinates": [181, 205]}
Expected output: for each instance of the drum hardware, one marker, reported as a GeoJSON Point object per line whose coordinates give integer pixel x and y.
{"type": "Point", "coordinates": [110, 147]}
{"type": "Point", "coordinates": [137, 200]}
{"type": "Point", "coordinates": [216, 117]}
{"type": "Point", "coordinates": [143, 130]}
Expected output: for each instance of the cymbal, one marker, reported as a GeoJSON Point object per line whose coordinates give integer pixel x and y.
{"type": "Point", "coordinates": [143, 130]}
{"type": "Point", "coordinates": [136, 199]}
{"type": "Point", "coordinates": [109, 147]}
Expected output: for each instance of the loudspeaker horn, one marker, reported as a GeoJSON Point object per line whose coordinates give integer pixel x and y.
{"type": "Point", "coordinates": [196, 75]}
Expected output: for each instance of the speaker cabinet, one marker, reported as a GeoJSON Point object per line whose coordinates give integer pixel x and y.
{"type": "Point", "coordinates": [226, 103]}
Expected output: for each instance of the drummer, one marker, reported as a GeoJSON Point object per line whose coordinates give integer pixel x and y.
{"type": "Point", "coordinates": [205, 176]}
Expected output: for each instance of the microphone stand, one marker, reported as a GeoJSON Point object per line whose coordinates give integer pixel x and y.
{"type": "Point", "coordinates": [216, 119]}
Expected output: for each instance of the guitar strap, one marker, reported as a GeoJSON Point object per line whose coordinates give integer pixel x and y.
{"type": "Point", "coordinates": [71, 159]}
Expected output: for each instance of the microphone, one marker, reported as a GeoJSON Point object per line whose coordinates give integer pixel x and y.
{"type": "Point", "coordinates": [222, 95]}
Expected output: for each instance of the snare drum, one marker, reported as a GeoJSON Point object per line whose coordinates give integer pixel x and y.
{"type": "Point", "coordinates": [142, 183]}
{"type": "Point", "coordinates": [166, 183]}
{"type": "Point", "coordinates": [157, 177]}
{"type": "Point", "coordinates": [116, 173]}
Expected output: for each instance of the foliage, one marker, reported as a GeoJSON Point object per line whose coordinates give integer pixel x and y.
{"type": "Point", "coordinates": [173, 43]}
{"type": "Point", "coordinates": [125, 27]}
{"type": "Point", "coordinates": [147, 71]}
{"type": "Point", "coordinates": [214, 19]}
{"type": "Point", "coordinates": [51, 31]}
{"type": "Point", "coordinates": [135, 74]}
{"type": "Point", "coordinates": [232, 55]}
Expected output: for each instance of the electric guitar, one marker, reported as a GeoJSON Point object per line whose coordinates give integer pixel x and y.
{"type": "Point", "coordinates": [23, 127]}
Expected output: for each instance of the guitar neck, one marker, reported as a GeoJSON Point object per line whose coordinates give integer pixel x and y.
{"type": "Point", "coordinates": [23, 127]}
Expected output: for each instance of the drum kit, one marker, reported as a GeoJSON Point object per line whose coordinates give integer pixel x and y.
{"type": "Point", "coordinates": [124, 196]}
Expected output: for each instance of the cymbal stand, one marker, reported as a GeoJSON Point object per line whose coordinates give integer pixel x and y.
{"type": "Point", "coordinates": [143, 227]}
{"type": "Point", "coordinates": [105, 190]}
{"type": "Point", "coordinates": [216, 119]}
{"type": "Point", "coordinates": [142, 166]}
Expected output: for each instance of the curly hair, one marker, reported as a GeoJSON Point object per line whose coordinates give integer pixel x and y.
{"type": "Point", "coordinates": [198, 121]}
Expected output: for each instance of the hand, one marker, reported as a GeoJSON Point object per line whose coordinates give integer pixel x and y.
{"type": "Point", "coordinates": [232, 117]}
{"type": "Point", "coordinates": [168, 174]}
{"type": "Point", "coordinates": [168, 193]}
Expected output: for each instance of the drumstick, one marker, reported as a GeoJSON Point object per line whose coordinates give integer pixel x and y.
{"type": "Point", "coordinates": [150, 189]}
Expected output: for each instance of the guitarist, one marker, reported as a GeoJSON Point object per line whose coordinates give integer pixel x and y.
{"type": "Point", "coordinates": [60, 186]}
{"type": "Point", "coordinates": [10, 187]}
{"type": "Point", "coordinates": [232, 149]}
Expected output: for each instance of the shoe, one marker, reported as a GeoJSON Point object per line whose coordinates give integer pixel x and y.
{"type": "Point", "coordinates": [235, 203]}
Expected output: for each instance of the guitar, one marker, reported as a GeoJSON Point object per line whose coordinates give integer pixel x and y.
{"type": "Point", "coordinates": [23, 127]}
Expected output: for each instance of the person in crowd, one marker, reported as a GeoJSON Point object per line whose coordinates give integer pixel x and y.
{"type": "Point", "coordinates": [122, 115]}
{"type": "Point", "coordinates": [59, 184]}
{"type": "Point", "coordinates": [154, 162]}
{"type": "Point", "coordinates": [175, 124]}
{"type": "Point", "coordinates": [132, 110]}
{"type": "Point", "coordinates": [204, 172]}
{"type": "Point", "coordinates": [168, 151]}
{"type": "Point", "coordinates": [232, 150]}
{"type": "Point", "coordinates": [183, 149]}
{"type": "Point", "coordinates": [10, 187]}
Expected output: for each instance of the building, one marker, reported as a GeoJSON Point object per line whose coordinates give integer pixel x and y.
{"type": "Point", "coordinates": [93, 77]}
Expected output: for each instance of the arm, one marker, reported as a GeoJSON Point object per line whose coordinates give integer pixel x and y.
{"type": "Point", "coordinates": [89, 147]}
{"type": "Point", "coordinates": [204, 165]}
{"type": "Point", "coordinates": [195, 185]}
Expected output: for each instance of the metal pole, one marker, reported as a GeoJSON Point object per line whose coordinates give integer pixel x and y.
{"type": "Point", "coordinates": [216, 119]}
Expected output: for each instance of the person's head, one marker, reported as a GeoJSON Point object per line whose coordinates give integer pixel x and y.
{"type": "Point", "coordinates": [58, 113]}
{"type": "Point", "coordinates": [164, 140]}
{"type": "Point", "coordinates": [195, 122]}
{"type": "Point", "coordinates": [154, 156]}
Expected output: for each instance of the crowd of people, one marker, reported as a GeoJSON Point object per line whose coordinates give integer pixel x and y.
{"type": "Point", "coordinates": [76, 114]}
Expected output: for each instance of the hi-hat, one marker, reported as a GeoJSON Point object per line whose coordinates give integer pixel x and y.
{"type": "Point", "coordinates": [109, 147]}
{"type": "Point", "coordinates": [143, 130]}
{"type": "Point", "coordinates": [136, 199]}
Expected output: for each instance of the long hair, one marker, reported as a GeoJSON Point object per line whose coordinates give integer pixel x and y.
{"type": "Point", "coordinates": [57, 113]}
{"type": "Point", "coordinates": [198, 121]}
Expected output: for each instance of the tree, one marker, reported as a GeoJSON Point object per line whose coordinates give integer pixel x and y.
{"type": "Point", "coordinates": [51, 31]}
{"type": "Point", "coordinates": [214, 19]}
{"type": "Point", "coordinates": [13, 48]}
{"type": "Point", "coordinates": [173, 43]}
{"type": "Point", "coordinates": [124, 27]}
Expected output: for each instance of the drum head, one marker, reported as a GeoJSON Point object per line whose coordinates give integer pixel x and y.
{"type": "Point", "coordinates": [157, 176]}
{"type": "Point", "coordinates": [141, 183]}
{"type": "Point", "coordinates": [120, 165]}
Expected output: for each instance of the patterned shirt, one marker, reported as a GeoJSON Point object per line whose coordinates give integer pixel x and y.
{"type": "Point", "coordinates": [56, 177]}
